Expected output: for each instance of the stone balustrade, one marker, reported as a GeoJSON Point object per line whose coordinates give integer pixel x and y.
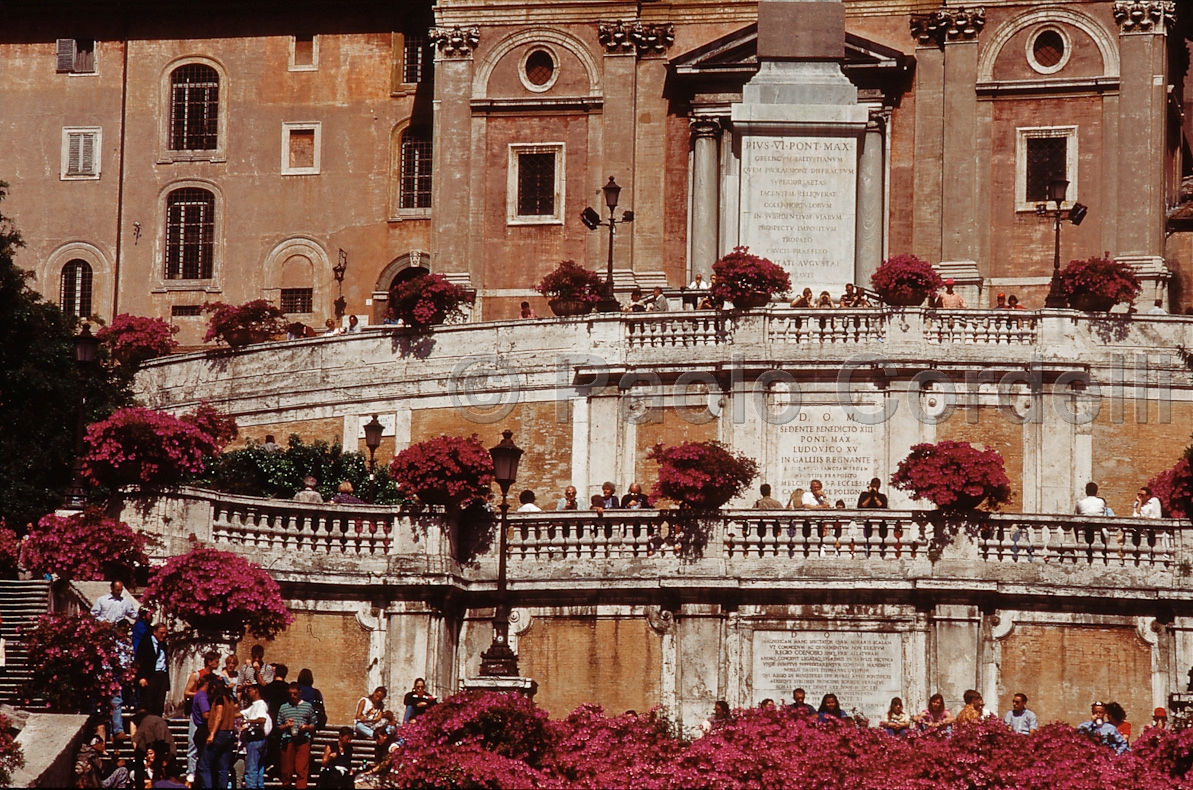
{"type": "Point", "coordinates": [629, 548]}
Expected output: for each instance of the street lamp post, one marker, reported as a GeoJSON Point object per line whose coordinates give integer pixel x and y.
{"type": "Point", "coordinates": [373, 431]}
{"type": "Point", "coordinates": [1056, 192]}
{"type": "Point", "coordinates": [86, 352]}
{"type": "Point", "coordinates": [592, 220]}
{"type": "Point", "coordinates": [499, 660]}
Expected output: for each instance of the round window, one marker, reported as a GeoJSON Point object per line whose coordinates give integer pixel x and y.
{"type": "Point", "coordinates": [540, 67]}
{"type": "Point", "coordinates": [1048, 48]}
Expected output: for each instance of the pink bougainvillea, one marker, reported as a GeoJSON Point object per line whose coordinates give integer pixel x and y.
{"type": "Point", "coordinates": [86, 546]}
{"type": "Point", "coordinates": [219, 426]}
{"type": "Point", "coordinates": [446, 470]}
{"type": "Point", "coordinates": [257, 315]}
{"type": "Point", "coordinates": [701, 475]}
{"type": "Point", "coordinates": [219, 590]}
{"type": "Point", "coordinates": [133, 339]}
{"type": "Point", "coordinates": [901, 278]}
{"type": "Point", "coordinates": [954, 475]}
{"type": "Point", "coordinates": [10, 551]}
{"type": "Point", "coordinates": [1174, 488]}
{"type": "Point", "coordinates": [1101, 277]}
{"type": "Point", "coordinates": [73, 662]}
{"type": "Point", "coordinates": [493, 740]}
{"type": "Point", "coordinates": [740, 273]}
{"type": "Point", "coordinates": [570, 280]}
{"type": "Point", "coordinates": [11, 755]}
{"type": "Point", "coordinates": [424, 301]}
{"type": "Point", "coordinates": [151, 448]}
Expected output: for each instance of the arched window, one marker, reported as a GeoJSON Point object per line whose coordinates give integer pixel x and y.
{"type": "Point", "coordinates": [415, 189]}
{"type": "Point", "coordinates": [194, 108]}
{"type": "Point", "coordinates": [75, 294]}
{"type": "Point", "coordinates": [190, 234]}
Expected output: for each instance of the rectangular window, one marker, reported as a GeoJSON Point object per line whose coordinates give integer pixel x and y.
{"type": "Point", "coordinates": [415, 58]}
{"type": "Point", "coordinates": [300, 148]}
{"type": "Point", "coordinates": [186, 311]}
{"type": "Point", "coordinates": [535, 186]}
{"type": "Point", "coordinates": [76, 56]}
{"type": "Point", "coordinates": [297, 300]}
{"type": "Point", "coordinates": [190, 234]}
{"type": "Point", "coordinates": [1044, 155]}
{"type": "Point", "coordinates": [415, 177]}
{"type": "Point", "coordinates": [80, 153]}
{"type": "Point", "coordinates": [194, 108]}
{"type": "Point", "coordinates": [304, 53]}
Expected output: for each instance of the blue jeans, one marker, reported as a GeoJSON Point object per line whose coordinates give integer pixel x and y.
{"type": "Point", "coordinates": [364, 730]}
{"type": "Point", "coordinates": [215, 762]}
{"type": "Point", "coordinates": [192, 748]}
{"type": "Point", "coordinates": [254, 764]}
{"type": "Point", "coordinates": [117, 715]}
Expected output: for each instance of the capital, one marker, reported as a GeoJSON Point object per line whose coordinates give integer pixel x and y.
{"type": "Point", "coordinates": [1145, 16]}
{"type": "Point", "coordinates": [947, 24]}
{"type": "Point", "coordinates": [455, 42]}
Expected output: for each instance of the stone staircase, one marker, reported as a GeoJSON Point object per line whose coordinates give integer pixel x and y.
{"type": "Point", "coordinates": [20, 603]}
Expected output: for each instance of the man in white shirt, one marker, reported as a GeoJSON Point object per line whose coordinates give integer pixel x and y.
{"type": "Point", "coordinates": [115, 607]}
{"type": "Point", "coordinates": [1092, 504]}
{"type": "Point", "coordinates": [1147, 505]}
{"type": "Point", "coordinates": [814, 497]}
{"type": "Point", "coordinates": [1158, 308]}
{"type": "Point", "coordinates": [527, 500]}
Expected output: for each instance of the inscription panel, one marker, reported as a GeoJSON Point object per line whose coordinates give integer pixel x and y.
{"type": "Point", "coordinates": [821, 442]}
{"type": "Point", "coordinates": [798, 207]}
{"type": "Point", "coordinates": [864, 670]}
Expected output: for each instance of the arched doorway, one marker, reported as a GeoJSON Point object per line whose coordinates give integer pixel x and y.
{"type": "Point", "coordinates": [399, 270]}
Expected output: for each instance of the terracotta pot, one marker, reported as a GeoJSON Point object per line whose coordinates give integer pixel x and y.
{"type": "Point", "coordinates": [914, 299]}
{"type": "Point", "coordinates": [1094, 303]}
{"type": "Point", "coordinates": [965, 502]}
{"type": "Point", "coordinates": [243, 337]}
{"type": "Point", "coordinates": [567, 307]}
{"type": "Point", "coordinates": [751, 300]}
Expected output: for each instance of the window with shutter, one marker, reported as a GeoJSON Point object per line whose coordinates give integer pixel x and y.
{"type": "Point", "coordinates": [76, 56]}
{"type": "Point", "coordinates": [66, 55]}
{"type": "Point", "coordinates": [80, 153]}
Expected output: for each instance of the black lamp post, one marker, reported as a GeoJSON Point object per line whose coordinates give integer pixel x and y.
{"type": "Point", "coordinates": [338, 271]}
{"type": "Point", "coordinates": [373, 431]}
{"type": "Point", "coordinates": [499, 660]}
{"type": "Point", "coordinates": [86, 352]}
{"type": "Point", "coordinates": [1056, 192]}
{"type": "Point", "coordinates": [592, 221]}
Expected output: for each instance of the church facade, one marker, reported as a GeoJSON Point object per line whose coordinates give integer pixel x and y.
{"type": "Point", "coordinates": [160, 161]}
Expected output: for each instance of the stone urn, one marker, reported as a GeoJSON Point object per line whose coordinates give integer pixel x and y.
{"type": "Point", "coordinates": [904, 299]}
{"type": "Point", "coordinates": [751, 300]}
{"type": "Point", "coordinates": [569, 307]}
{"type": "Point", "coordinates": [1091, 303]}
{"type": "Point", "coordinates": [237, 338]}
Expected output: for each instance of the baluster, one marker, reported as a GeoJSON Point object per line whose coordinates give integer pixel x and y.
{"type": "Point", "coordinates": [558, 546]}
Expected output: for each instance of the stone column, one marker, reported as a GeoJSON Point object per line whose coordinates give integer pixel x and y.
{"type": "Point", "coordinates": [705, 195]}
{"type": "Point", "coordinates": [451, 188]}
{"type": "Point", "coordinates": [870, 209]}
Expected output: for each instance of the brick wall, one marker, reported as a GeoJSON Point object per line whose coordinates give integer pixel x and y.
{"type": "Point", "coordinates": [328, 429]}
{"type": "Point", "coordinates": [671, 430]}
{"type": "Point", "coordinates": [1127, 455]}
{"type": "Point", "coordinates": [994, 431]}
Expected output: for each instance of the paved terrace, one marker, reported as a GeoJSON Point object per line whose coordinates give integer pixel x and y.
{"type": "Point", "coordinates": [627, 556]}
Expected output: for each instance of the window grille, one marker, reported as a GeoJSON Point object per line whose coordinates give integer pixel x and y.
{"type": "Point", "coordinates": [1047, 161]}
{"type": "Point", "coordinates": [415, 176]}
{"type": "Point", "coordinates": [186, 311]}
{"type": "Point", "coordinates": [415, 58]}
{"type": "Point", "coordinates": [194, 108]}
{"type": "Point", "coordinates": [75, 296]}
{"type": "Point", "coordinates": [298, 300]}
{"type": "Point", "coordinates": [190, 234]}
{"type": "Point", "coordinates": [536, 184]}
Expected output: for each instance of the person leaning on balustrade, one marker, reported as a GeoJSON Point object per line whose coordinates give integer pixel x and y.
{"type": "Point", "coordinates": [796, 500]}
{"type": "Point", "coordinates": [804, 300]}
{"type": "Point", "coordinates": [569, 500]}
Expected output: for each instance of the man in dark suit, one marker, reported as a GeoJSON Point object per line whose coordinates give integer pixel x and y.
{"type": "Point", "coordinates": [153, 677]}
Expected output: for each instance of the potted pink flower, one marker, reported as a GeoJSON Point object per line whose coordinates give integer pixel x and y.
{"type": "Point", "coordinates": [954, 476]}
{"type": "Point", "coordinates": [701, 475]}
{"type": "Point", "coordinates": [748, 280]}
{"type": "Point", "coordinates": [219, 591]}
{"type": "Point", "coordinates": [571, 289]}
{"type": "Point", "coordinates": [1098, 284]}
{"type": "Point", "coordinates": [448, 470]}
{"type": "Point", "coordinates": [239, 325]}
{"type": "Point", "coordinates": [905, 280]}
{"type": "Point", "coordinates": [133, 339]}
{"type": "Point", "coordinates": [427, 300]}
{"type": "Point", "coordinates": [86, 546]}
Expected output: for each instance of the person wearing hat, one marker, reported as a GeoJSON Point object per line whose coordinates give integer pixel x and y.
{"type": "Point", "coordinates": [1159, 720]}
{"type": "Point", "coordinates": [949, 300]}
{"type": "Point", "coordinates": [1002, 302]}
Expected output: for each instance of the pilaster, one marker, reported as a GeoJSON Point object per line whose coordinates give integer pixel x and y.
{"type": "Point", "coordinates": [452, 187]}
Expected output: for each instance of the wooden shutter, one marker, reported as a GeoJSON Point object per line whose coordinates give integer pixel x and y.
{"type": "Point", "coordinates": [87, 154]}
{"type": "Point", "coordinates": [66, 55]}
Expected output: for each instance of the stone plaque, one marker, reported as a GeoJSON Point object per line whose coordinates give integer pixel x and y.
{"type": "Point", "coordinates": [821, 442]}
{"type": "Point", "coordinates": [863, 669]}
{"type": "Point", "coordinates": [798, 207]}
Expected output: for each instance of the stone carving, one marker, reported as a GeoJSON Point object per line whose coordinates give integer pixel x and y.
{"type": "Point", "coordinates": [646, 39]}
{"type": "Point", "coordinates": [702, 126]}
{"type": "Point", "coordinates": [1145, 16]}
{"type": "Point", "coordinates": [661, 620]}
{"type": "Point", "coordinates": [948, 24]}
{"type": "Point", "coordinates": [456, 42]}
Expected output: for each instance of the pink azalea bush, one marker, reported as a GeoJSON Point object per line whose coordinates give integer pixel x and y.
{"type": "Point", "coordinates": [902, 278]}
{"type": "Point", "coordinates": [86, 546]}
{"type": "Point", "coordinates": [1174, 488]}
{"type": "Point", "coordinates": [571, 281]}
{"type": "Point", "coordinates": [257, 316]}
{"type": "Point", "coordinates": [447, 470]}
{"type": "Point", "coordinates": [482, 739]}
{"type": "Point", "coordinates": [149, 448]}
{"type": "Point", "coordinates": [73, 661]}
{"type": "Point", "coordinates": [425, 301]}
{"type": "Point", "coordinates": [740, 273]}
{"type": "Point", "coordinates": [1100, 277]}
{"type": "Point", "coordinates": [701, 475]}
{"type": "Point", "coordinates": [133, 339]}
{"type": "Point", "coordinates": [954, 475]}
{"type": "Point", "coordinates": [219, 590]}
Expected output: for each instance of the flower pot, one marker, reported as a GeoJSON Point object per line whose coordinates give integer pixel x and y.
{"type": "Point", "coordinates": [436, 496]}
{"type": "Point", "coordinates": [751, 300]}
{"type": "Point", "coordinates": [1091, 302]}
{"type": "Point", "coordinates": [965, 502]}
{"type": "Point", "coordinates": [243, 337]}
{"type": "Point", "coordinates": [904, 299]}
{"type": "Point", "coordinates": [567, 307]}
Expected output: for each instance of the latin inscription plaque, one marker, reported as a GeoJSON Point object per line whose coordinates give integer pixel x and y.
{"type": "Point", "coordinates": [863, 669]}
{"type": "Point", "coordinates": [821, 442]}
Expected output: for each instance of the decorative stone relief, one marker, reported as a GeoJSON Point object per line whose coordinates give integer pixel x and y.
{"type": "Point", "coordinates": [646, 39]}
{"type": "Point", "coordinates": [455, 42]}
{"type": "Point", "coordinates": [1148, 629]}
{"type": "Point", "coordinates": [519, 622]}
{"type": "Point", "coordinates": [1002, 624]}
{"type": "Point", "coordinates": [661, 621]}
{"type": "Point", "coordinates": [948, 24]}
{"type": "Point", "coordinates": [376, 624]}
{"type": "Point", "coordinates": [702, 126]}
{"type": "Point", "coordinates": [1145, 16]}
